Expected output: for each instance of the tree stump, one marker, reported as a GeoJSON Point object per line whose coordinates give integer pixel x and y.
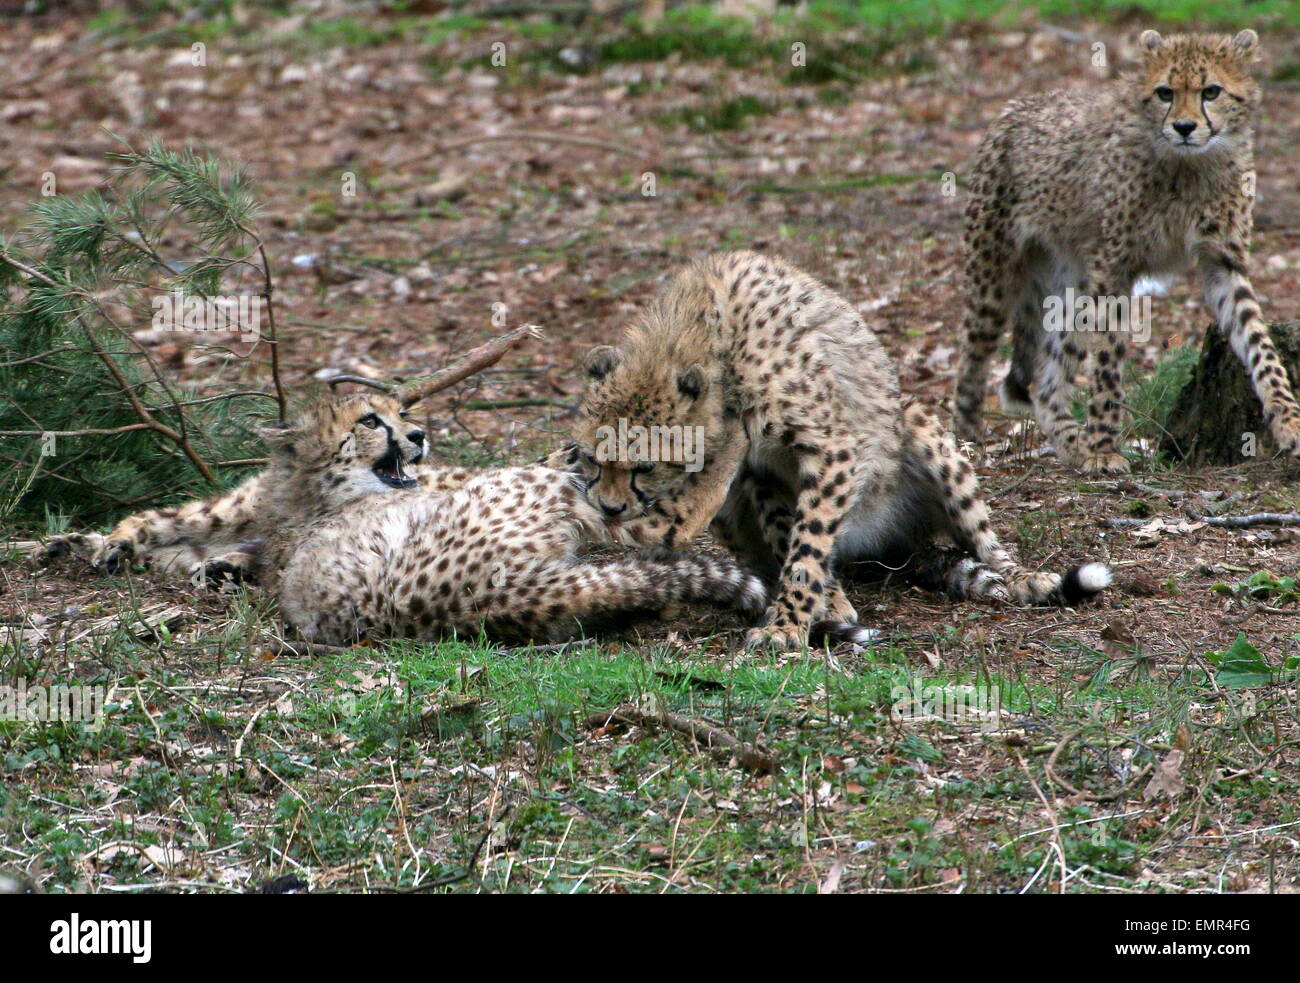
{"type": "Point", "coordinates": [1217, 418]}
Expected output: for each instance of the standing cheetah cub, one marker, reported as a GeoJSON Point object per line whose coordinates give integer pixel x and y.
{"type": "Point", "coordinates": [809, 454]}
{"type": "Point", "coordinates": [1092, 191]}
{"type": "Point", "coordinates": [358, 538]}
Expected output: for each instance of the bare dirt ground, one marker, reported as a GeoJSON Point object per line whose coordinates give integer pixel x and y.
{"type": "Point", "coordinates": [479, 186]}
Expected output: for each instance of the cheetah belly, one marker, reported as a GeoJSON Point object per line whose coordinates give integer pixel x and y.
{"type": "Point", "coordinates": [879, 526]}
{"type": "Point", "coordinates": [324, 585]}
{"type": "Point", "coordinates": [891, 526]}
{"type": "Point", "coordinates": [415, 565]}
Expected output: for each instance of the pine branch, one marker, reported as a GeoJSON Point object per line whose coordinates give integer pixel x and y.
{"type": "Point", "coordinates": [64, 281]}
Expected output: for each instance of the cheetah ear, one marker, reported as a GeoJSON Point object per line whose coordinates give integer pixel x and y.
{"type": "Point", "coordinates": [691, 382]}
{"type": "Point", "coordinates": [1151, 42]}
{"type": "Point", "coordinates": [1246, 43]}
{"type": "Point", "coordinates": [280, 437]}
{"type": "Point", "coordinates": [599, 362]}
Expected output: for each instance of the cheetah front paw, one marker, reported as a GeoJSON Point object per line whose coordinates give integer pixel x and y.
{"type": "Point", "coordinates": [114, 555]}
{"type": "Point", "coordinates": [225, 571]}
{"type": "Point", "coordinates": [221, 574]}
{"type": "Point", "coordinates": [968, 432]}
{"type": "Point", "coordinates": [1110, 463]}
{"type": "Point", "coordinates": [1286, 434]}
{"type": "Point", "coordinates": [1034, 588]}
{"type": "Point", "coordinates": [84, 545]}
{"type": "Point", "coordinates": [839, 608]}
{"type": "Point", "coordinates": [782, 637]}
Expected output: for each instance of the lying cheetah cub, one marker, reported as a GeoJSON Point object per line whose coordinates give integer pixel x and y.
{"type": "Point", "coordinates": [357, 538]}
{"type": "Point", "coordinates": [778, 419]}
{"type": "Point", "coordinates": [1092, 191]}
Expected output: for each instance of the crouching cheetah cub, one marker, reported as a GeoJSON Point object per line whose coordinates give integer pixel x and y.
{"type": "Point", "coordinates": [1087, 192]}
{"type": "Point", "coordinates": [358, 538]}
{"type": "Point", "coordinates": [752, 396]}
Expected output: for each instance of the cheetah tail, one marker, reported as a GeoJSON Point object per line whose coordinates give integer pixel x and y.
{"type": "Point", "coordinates": [1084, 581]}
{"type": "Point", "coordinates": [962, 576]}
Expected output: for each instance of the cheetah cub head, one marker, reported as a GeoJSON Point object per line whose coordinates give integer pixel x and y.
{"type": "Point", "coordinates": [1196, 90]}
{"type": "Point", "coordinates": [649, 418]}
{"type": "Point", "coordinates": [344, 448]}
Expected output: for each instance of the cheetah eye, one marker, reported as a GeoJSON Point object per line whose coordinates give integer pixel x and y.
{"type": "Point", "coordinates": [1164, 93]}
{"type": "Point", "coordinates": [370, 420]}
{"type": "Point", "coordinates": [1211, 92]}
{"type": "Point", "coordinates": [644, 467]}
{"type": "Point", "coordinates": [589, 460]}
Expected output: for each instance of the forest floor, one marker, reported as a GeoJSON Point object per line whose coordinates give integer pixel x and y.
{"type": "Point", "coordinates": [1145, 742]}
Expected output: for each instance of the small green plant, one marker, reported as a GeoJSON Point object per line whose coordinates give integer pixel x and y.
{"type": "Point", "coordinates": [1242, 665]}
{"type": "Point", "coordinates": [1263, 586]}
{"type": "Point", "coordinates": [1152, 397]}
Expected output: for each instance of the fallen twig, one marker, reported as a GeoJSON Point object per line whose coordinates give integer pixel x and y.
{"type": "Point", "coordinates": [1225, 521]}
{"type": "Point", "coordinates": [475, 360]}
{"type": "Point", "coordinates": [510, 404]}
{"type": "Point", "coordinates": [1137, 487]}
{"type": "Point", "coordinates": [1054, 814]}
{"type": "Point", "coordinates": [278, 646]}
{"type": "Point", "coordinates": [713, 739]}
{"type": "Point", "coordinates": [1050, 770]}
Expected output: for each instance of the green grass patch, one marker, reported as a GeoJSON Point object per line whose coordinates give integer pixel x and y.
{"type": "Point", "coordinates": [718, 115]}
{"type": "Point", "coordinates": [392, 765]}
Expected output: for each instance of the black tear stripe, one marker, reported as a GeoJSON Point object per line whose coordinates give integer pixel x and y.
{"type": "Point", "coordinates": [646, 500]}
{"type": "Point", "coordinates": [392, 447]}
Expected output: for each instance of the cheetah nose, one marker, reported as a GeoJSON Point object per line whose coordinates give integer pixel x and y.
{"type": "Point", "coordinates": [611, 511]}
{"type": "Point", "coordinates": [416, 436]}
{"type": "Point", "coordinates": [1185, 127]}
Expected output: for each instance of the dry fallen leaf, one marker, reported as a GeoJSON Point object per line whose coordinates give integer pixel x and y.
{"type": "Point", "coordinates": [1166, 780]}
{"type": "Point", "coordinates": [1117, 641]}
{"type": "Point", "coordinates": [831, 884]}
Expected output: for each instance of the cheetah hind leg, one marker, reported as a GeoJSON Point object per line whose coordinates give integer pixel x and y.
{"type": "Point", "coordinates": [737, 527]}
{"type": "Point", "coordinates": [1014, 392]}
{"type": "Point", "coordinates": [992, 571]}
{"type": "Point", "coordinates": [961, 576]}
{"type": "Point", "coordinates": [614, 591]}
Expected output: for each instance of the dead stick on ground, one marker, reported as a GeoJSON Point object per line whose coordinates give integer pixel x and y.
{"type": "Point", "coordinates": [1050, 770]}
{"type": "Point", "coordinates": [475, 360]}
{"type": "Point", "coordinates": [718, 742]}
{"type": "Point", "coordinates": [1227, 521]}
{"type": "Point", "coordinates": [510, 404]}
{"type": "Point", "coordinates": [1054, 815]}
{"type": "Point", "coordinates": [278, 646]}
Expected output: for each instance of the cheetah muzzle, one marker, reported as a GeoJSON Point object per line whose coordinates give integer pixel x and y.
{"type": "Point", "coordinates": [389, 470]}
